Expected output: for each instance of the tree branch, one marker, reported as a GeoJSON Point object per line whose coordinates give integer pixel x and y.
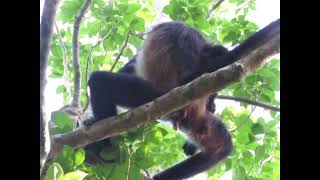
{"type": "Point", "coordinates": [121, 51]}
{"type": "Point", "coordinates": [214, 7]}
{"type": "Point", "coordinates": [252, 56]}
{"type": "Point", "coordinates": [75, 57]}
{"type": "Point", "coordinates": [139, 35]}
{"type": "Point", "coordinates": [65, 62]}
{"type": "Point", "coordinates": [46, 28]}
{"type": "Point", "coordinates": [248, 101]}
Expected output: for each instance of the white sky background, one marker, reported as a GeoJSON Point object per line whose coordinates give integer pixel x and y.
{"type": "Point", "coordinates": [266, 12]}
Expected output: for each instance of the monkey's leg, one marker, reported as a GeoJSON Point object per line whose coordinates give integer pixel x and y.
{"type": "Point", "coordinates": [129, 68]}
{"type": "Point", "coordinates": [110, 89]}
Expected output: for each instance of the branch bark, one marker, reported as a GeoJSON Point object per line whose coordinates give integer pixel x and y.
{"type": "Point", "coordinates": [248, 101]}
{"type": "Point", "coordinates": [46, 28]}
{"type": "Point", "coordinates": [214, 7]}
{"type": "Point", "coordinates": [75, 52]}
{"type": "Point", "coordinates": [250, 54]}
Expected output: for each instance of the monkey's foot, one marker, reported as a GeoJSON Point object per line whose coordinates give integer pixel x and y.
{"type": "Point", "coordinates": [89, 122]}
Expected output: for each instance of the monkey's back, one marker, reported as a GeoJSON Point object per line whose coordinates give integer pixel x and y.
{"type": "Point", "coordinates": [170, 52]}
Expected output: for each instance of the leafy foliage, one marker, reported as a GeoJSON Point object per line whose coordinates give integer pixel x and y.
{"type": "Point", "coordinates": [156, 146]}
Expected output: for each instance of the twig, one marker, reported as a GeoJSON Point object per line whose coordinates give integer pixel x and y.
{"type": "Point", "coordinates": [248, 101]}
{"type": "Point", "coordinates": [140, 35]}
{"type": "Point", "coordinates": [262, 163]}
{"type": "Point", "coordinates": [89, 60]}
{"type": "Point", "coordinates": [93, 47]}
{"type": "Point", "coordinates": [244, 121]}
{"type": "Point", "coordinates": [121, 51]}
{"type": "Point", "coordinates": [214, 7]}
{"type": "Point", "coordinates": [147, 173]}
{"type": "Point", "coordinates": [65, 63]}
{"type": "Point", "coordinates": [76, 59]}
{"type": "Point", "coordinates": [46, 29]}
{"type": "Point", "coordinates": [129, 159]}
{"type": "Point", "coordinates": [248, 173]}
{"type": "Point", "coordinates": [248, 117]}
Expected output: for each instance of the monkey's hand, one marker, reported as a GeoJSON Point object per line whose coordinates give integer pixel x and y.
{"type": "Point", "coordinates": [177, 117]}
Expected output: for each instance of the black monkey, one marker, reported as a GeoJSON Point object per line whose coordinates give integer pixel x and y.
{"type": "Point", "coordinates": [172, 55]}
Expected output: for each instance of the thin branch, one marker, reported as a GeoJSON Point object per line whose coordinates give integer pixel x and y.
{"type": "Point", "coordinates": [46, 29]}
{"type": "Point", "coordinates": [121, 51]}
{"type": "Point", "coordinates": [208, 83]}
{"type": "Point", "coordinates": [89, 60]}
{"type": "Point", "coordinates": [147, 173]}
{"type": "Point", "coordinates": [65, 61]}
{"type": "Point", "coordinates": [129, 161]}
{"type": "Point", "coordinates": [93, 47]}
{"type": "Point", "coordinates": [248, 117]}
{"type": "Point", "coordinates": [75, 52]}
{"type": "Point", "coordinates": [139, 35]}
{"type": "Point", "coordinates": [244, 121]}
{"type": "Point", "coordinates": [214, 7]}
{"type": "Point", "coordinates": [248, 101]}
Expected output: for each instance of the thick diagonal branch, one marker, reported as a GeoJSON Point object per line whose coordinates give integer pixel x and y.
{"type": "Point", "coordinates": [266, 44]}
{"type": "Point", "coordinates": [46, 28]}
{"type": "Point", "coordinates": [75, 54]}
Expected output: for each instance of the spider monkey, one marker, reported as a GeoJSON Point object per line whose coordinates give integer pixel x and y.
{"type": "Point", "coordinates": [93, 150]}
{"type": "Point", "coordinates": [172, 55]}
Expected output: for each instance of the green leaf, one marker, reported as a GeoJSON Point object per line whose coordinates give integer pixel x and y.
{"type": "Point", "coordinates": [99, 60]}
{"type": "Point", "coordinates": [135, 41]}
{"type": "Point", "coordinates": [79, 156]}
{"type": "Point", "coordinates": [55, 172]}
{"type": "Point", "coordinates": [56, 50]}
{"type": "Point", "coordinates": [128, 52]}
{"type": "Point", "coordinates": [257, 128]}
{"type": "Point", "coordinates": [61, 89]}
{"type": "Point", "coordinates": [239, 173]}
{"type": "Point", "coordinates": [231, 36]}
{"type": "Point", "coordinates": [62, 120]}
{"type": "Point", "coordinates": [243, 138]}
{"type": "Point", "coordinates": [168, 9]}
{"type": "Point", "coordinates": [228, 164]}
{"type": "Point", "coordinates": [108, 10]}
{"type": "Point", "coordinates": [260, 153]}
{"type": "Point", "coordinates": [132, 8]}
{"type": "Point", "coordinates": [137, 24]}
{"type": "Point", "coordinates": [123, 7]}
{"type": "Point", "coordinates": [69, 9]}
{"type": "Point", "coordinates": [56, 73]}
{"type": "Point", "coordinates": [75, 175]}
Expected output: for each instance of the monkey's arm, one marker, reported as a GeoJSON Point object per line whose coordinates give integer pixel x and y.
{"type": "Point", "coordinates": [129, 68]}
{"type": "Point", "coordinates": [189, 167]}
{"type": "Point", "coordinates": [217, 145]}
